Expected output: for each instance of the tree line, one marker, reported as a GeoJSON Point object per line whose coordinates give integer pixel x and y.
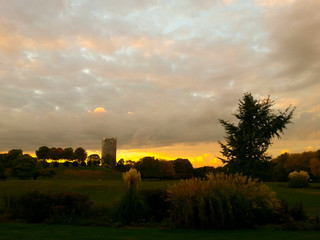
{"type": "Point", "coordinates": [152, 168]}
{"type": "Point", "coordinates": [16, 164]}
{"type": "Point", "coordinates": [19, 165]}
{"type": "Point", "coordinates": [53, 153]}
{"type": "Point", "coordinates": [289, 162]}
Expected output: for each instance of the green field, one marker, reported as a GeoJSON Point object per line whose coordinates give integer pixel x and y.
{"type": "Point", "coordinates": [102, 185]}
{"type": "Point", "coordinates": [105, 187]}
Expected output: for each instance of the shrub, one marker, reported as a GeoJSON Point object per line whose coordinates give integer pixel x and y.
{"type": "Point", "coordinates": [83, 164]}
{"type": "Point", "coordinates": [43, 164]}
{"type": "Point", "coordinates": [297, 212]}
{"type": "Point", "coordinates": [36, 207]}
{"type": "Point", "coordinates": [66, 163]}
{"type": "Point", "coordinates": [220, 202]}
{"type": "Point", "coordinates": [298, 179]}
{"type": "Point", "coordinates": [32, 207]}
{"type": "Point", "coordinates": [157, 206]}
{"type": "Point", "coordinates": [287, 215]}
{"type": "Point", "coordinates": [75, 164]}
{"type": "Point", "coordinates": [132, 207]}
{"type": "Point", "coordinates": [69, 204]}
{"type": "Point", "coordinates": [55, 164]}
{"type": "Point", "coordinates": [24, 167]}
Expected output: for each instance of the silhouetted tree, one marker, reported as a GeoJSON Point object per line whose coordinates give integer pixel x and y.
{"type": "Point", "coordinates": [66, 163]}
{"type": "Point", "coordinates": [93, 160]}
{"type": "Point", "coordinates": [80, 154]}
{"type": "Point", "coordinates": [54, 153]}
{"type": "Point", "coordinates": [12, 155]}
{"type": "Point", "coordinates": [167, 169]}
{"type": "Point", "coordinates": [149, 167]}
{"type": "Point", "coordinates": [3, 166]}
{"type": "Point", "coordinates": [43, 153]}
{"type": "Point", "coordinates": [183, 168]}
{"type": "Point", "coordinates": [75, 164]}
{"type": "Point", "coordinates": [68, 153]}
{"type": "Point", "coordinates": [24, 167]}
{"type": "Point", "coordinates": [120, 166]}
{"type": "Point", "coordinates": [201, 172]}
{"type": "Point", "coordinates": [247, 142]}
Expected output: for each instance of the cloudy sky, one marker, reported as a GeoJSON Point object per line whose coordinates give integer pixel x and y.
{"type": "Point", "coordinates": [155, 74]}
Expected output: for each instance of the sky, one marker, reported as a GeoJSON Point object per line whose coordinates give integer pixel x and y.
{"type": "Point", "coordinates": [158, 75]}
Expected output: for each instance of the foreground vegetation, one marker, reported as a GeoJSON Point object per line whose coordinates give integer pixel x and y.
{"type": "Point", "coordinates": [105, 188]}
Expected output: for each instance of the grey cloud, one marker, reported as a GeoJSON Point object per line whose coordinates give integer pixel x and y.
{"type": "Point", "coordinates": [295, 38]}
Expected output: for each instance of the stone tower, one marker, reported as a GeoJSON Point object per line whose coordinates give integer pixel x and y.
{"type": "Point", "coordinates": [109, 152]}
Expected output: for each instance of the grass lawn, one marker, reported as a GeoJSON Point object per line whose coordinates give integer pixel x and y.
{"type": "Point", "coordinates": [102, 185]}
{"type": "Point", "coordinates": [17, 231]}
{"type": "Point", "coordinates": [310, 197]}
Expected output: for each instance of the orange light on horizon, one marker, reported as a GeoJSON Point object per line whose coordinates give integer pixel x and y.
{"type": "Point", "coordinates": [197, 161]}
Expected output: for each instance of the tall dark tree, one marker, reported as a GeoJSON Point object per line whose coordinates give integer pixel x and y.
{"type": "Point", "coordinates": [68, 153]}
{"type": "Point", "coordinates": [247, 142]}
{"type": "Point", "coordinates": [54, 154]}
{"type": "Point", "coordinates": [43, 153]}
{"type": "Point", "coordinates": [80, 154]}
{"type": "Point", "coordinates": [183, 168]}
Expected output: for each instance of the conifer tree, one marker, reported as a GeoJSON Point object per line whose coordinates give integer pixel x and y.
{"type": "Point", "coordinates": [247, 142]}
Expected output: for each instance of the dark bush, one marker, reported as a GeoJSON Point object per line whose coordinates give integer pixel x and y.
{"type": "Point", "coordinates": [83, 164]}
{"type": "Point", "coordinates": [36, 207]}
{"type": "Point", "coordinates": [132, 208]}
{"type": "Point", "coordinates": [55, 164]}
{"type": "Point", "coordinates": [297, 212]}
{"type": "Point", "coordinates": [89, 163]}
{"type": "Point", "coordinates": [287, 215]}
{"type": "Point", "coordinates": [43, 164]}
{"type": "Point", "coordinates": [24, 167]}
{"type": "Point", "coordinates": [75, 164]}
{"type": "Point", "coordinates": [70, 204]}
{"type": "Point", "coordinates": [33, 207]}
{"type": "Point", "coordinates": [66, 164]}
{"type": "Point", "coordinates": [157, 205]}
{"type": "Point", "coordinates": [201, 172]}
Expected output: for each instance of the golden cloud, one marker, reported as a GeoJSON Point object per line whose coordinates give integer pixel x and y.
{"type": "Point", "coordinates": [98, 110]}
